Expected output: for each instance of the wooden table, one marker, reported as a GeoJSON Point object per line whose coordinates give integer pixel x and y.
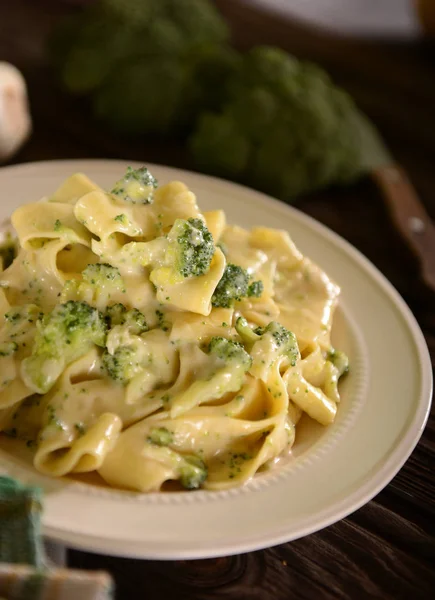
{"type": "Point", "coordinates": [387, 548]}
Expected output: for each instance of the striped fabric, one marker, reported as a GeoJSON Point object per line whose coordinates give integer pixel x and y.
{"type": "Point", "coordinates": [24, 571]}
{"type": "Point", "coordinates": [19, 582]}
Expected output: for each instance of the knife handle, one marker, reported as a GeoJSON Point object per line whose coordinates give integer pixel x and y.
{"type": "Point", "coordinates": [409, 216]}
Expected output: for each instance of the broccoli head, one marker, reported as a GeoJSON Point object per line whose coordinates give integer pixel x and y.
{"type": "Point", "coordinates": [62, 336]}
{"type": "Point", "coordinates": [123, 364]}
{"type": "Point", "coordinates": [117, 314]}
{"type": "Point", "coordinates": [234, 286]}
{"type": "Point", "coordinates": [267, 345]}
{"type": "Point", "coordinates": [137, 186]}
{"type": "Point", "coordinates": [100, 284]}
{"type": "Point", "coordinates": [284, 128]}
{"type": "Point", "coordinates": [193, 472]}
{"type": "Point", "coordinates": [191, 247]}
{"type": "Point", "coordinates": [160, 436]}
{"type": "Point", "coordinates": [229, 352]}
{"type": "Point", "coordinates": [340, 360]}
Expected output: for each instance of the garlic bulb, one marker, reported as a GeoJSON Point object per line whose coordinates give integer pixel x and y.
{"type": "Point", "coordinates": [15, 121]}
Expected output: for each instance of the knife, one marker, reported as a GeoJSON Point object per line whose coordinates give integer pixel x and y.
{"type": "Point", "coordinates": [406, 209]}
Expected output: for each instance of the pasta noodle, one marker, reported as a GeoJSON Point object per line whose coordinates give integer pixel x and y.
{"type": "Point", "coordinates": [150, 342]}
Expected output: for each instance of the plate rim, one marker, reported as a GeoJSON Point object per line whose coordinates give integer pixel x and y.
{"type": "Point", "coordinates": [392, 461]}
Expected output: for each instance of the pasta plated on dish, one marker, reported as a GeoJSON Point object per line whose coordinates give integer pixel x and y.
{"type": "Point", "coordinates": [149, 342]}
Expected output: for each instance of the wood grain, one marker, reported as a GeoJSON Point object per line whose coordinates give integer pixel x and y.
{"type": "Point", "coordinates": [387, 548]}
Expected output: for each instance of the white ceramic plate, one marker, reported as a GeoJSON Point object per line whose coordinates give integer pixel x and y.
{"type": "Point", "coordinates": [362, 18]}
{"type": "Point", "coordinates": [333, 471]}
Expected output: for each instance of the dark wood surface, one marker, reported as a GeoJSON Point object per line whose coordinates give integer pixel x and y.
{"type": "Point", "coordinates": [387, 548]}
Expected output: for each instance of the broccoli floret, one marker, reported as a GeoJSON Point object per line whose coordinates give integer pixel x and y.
{"type": "Point", "coordinates": [223, 373]}
{"type": "Point", "coordinates": [255, 289]}
{"type": "Point", "coordinates": [193, 472]}
{"type": "Point", "coordinates": [284, 128]}
{"type": "Point", "coordinates": [229, 352]}
{"type": "Point", "coordinates": [122, 219]}
{"type": "Point", "coordinates": [161, 436]}
{"type": "Point", "coordinates": [100, 273]}
{"type": "Point", "coordinates": [117, 314]}
{"type": "Point", "coordinates": [62, 336]}
{"type": "Point", "coordinates": [340, 360]}
{"type": "Point", "coordinates": [137, 186]}
{"type": "Point", "coordinates": [232, 286]}
{"type": "Point", "coordinates": [123, 364]}
{"type": "Point", "coordinates": [267, 345]}
{"type": "Point", "coordinates": [100, 284]}
{"type": "Point", "coordinates": [191, 247]}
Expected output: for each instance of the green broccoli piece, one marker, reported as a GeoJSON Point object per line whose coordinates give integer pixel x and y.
{"type": "Point", "coordinates": [123, 364]}
{"type": "Point", "coordinates": [100, 283]}
{"type": "Point", "coordinates": [233, 286]}
{"type": "Point", "coordinates": [248, 335]}
{"type": "Point", "coordinates": [100, 273]}
{"type": "Point", "coordinates": [340, 360]}
{"type": "Point", "coordinates": [137, 186]}
{"type": "Point", "coordinates": [160, 436]}
{"type": "Point", "coordinates": [193, 472]}
{"type": "Point", "coordinates": [267, 345]}
{"type": "Point", "coordinates": [229, 352]}
{"type": "Point", "coordinates": [255, 289]}
{"type": "Point", "coordinates": [62, 336]}
{"type": "Point", "coordinates": [284, 128]}
{"type": "Point", "coordinates": [117, 314]}
{"type": "Point", "coordinates": [191, 247]}
{"type": "Point", "coordinates": [224, 373]}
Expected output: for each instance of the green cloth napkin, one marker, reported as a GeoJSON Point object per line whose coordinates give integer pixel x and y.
{"type": "Point", "coordinates": [20, 523]}
{"type": "Point", "coordinates": [23, 567]}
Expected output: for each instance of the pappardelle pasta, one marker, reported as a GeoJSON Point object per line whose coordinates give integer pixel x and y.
{"type": "Point", "coordinates": [151, 343]}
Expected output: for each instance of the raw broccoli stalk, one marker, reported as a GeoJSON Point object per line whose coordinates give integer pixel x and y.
{"type": "Point", "coordinates": [117, 314]}
{"type": "Point", "coordinates": [137, 186]}
{"type": "Point", "coordinates": [191, 247]}
{"type": "Point", "coordinates": [62, 336]}
{"type": "Point", "coordinates": [340, 360]}
{"type": "Point", "coordinates": [101, 283]}
{"type": "Point", "coordinates": [193, 472]}
{"type": "Point", "coordinates": [267, 345]}
{"type": "Point", "coordinates": [224, 373]}
{"type": "Point", "coordinates": [234, 286]}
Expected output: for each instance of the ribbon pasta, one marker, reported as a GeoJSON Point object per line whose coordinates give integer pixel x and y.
{"type": "Point", "coordinates": [162, 382]}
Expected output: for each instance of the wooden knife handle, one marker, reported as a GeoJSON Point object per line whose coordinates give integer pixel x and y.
{"type": "Point", "coordinates": [409, 216]}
